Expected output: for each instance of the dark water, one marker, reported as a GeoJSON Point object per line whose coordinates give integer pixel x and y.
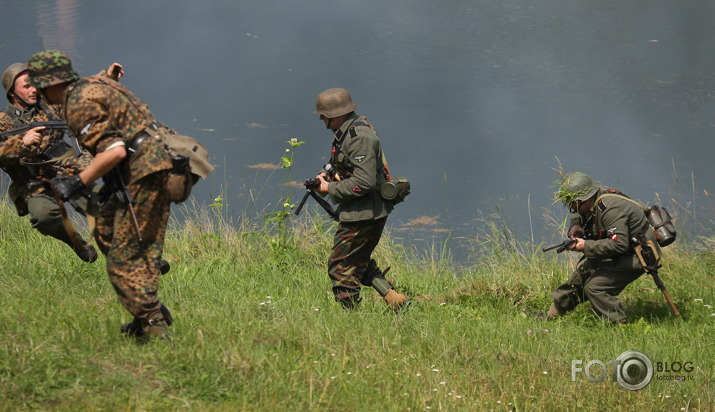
{"type": "Point", "coordinates": [474, 100]}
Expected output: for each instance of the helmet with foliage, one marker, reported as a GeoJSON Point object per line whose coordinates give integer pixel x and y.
{"type": "Point", "coordinates": [10, 75]}
{"type": "Point", "coordinates": [333, 103]}
{"type": "Point", "coordinates": [574, 186]}
{"type": "Point", "coordinates": [50, 67]}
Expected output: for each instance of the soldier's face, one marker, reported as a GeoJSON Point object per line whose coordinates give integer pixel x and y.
{"type": "Point", "coordinates": [23, 91]}
{"type": "Point", "coordinates": [583, 207]}
{"type": "Point", "coordinates": [326, 121]}
{"type": "Point", "coordinates": [333, 123]}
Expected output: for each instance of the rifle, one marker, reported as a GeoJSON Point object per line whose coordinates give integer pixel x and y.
{"type": "Point", "coordinates": [115, 180]}
{"type": "Point", "coordinates": [560, 247]}
{"type": "Point", "coordinates": [49, 125]}
{"type": "Point", "coordinates": [310, 186]}
{"type": "Point", "coordinates": [650, 260]}
{"type": "Point", "coordinates": [57, 149]}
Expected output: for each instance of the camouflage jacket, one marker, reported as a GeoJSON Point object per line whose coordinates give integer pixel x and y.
{"type": "Point", "coordinates": [357, 157]}
{"type": "Point", "coordinates": [102, 112]}
{"type": "Point", "coordinates": [611, 224]}
{"type": "Point", "coordinates": [13, 153]}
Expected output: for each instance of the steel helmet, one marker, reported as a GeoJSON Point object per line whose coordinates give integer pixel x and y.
{"type": "Point", "coordinates": [10, 75]}
{"type": "Point", "coordinates": [333, 103]}
{"type": "Point", "coordinates": [575, 186]}
{"type": "Point", "coordinates": [50, 67]}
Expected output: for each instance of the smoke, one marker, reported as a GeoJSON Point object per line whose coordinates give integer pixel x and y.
{"type": "Point", "coordinates": [473, 100]}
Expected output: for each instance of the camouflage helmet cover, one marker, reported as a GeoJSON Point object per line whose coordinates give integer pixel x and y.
{"type": "Point", "coordinates": [333, 103]}
{"type": "Point", "coordinates": [575, 186]}
{"type": "Point", "coordinates": [50, 67]}
{"type": "Point", "coordinates": [10, 75]}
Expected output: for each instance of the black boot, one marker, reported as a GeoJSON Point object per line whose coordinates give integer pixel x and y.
{"type": "Point", "coordinates": [133, 328]}
{"type": "Point", "coordinates": [87, 254]}
{"type": "Point", "coordinates": [164, 267]}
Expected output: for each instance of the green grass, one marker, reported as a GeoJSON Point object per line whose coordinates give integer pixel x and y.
{"type": "Point", "coordinates": [257, 329]}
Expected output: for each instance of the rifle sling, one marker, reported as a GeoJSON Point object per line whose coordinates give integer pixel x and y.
{"type": "Point", "coordinates": [67, 154]}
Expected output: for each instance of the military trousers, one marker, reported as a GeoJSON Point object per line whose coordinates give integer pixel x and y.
{"type": "Point", "coordinates": [350, 263]}
{"type": "Point", "coordinates": [599, 284]}
{"type": "Point", "coordinates": [46, 217]}
{"type": "Point", "coordinates": [133, 264]}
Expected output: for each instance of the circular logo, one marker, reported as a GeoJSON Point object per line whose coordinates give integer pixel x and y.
{"type": "Point", "coordinates": [634, 371]}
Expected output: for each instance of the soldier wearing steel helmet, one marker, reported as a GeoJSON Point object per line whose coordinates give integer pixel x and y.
{"type": "Point", "coordinates": [116, 128]}
{"type": "Point", "coordinates": [360, 167]}
{"type": "Point", "coordinates": [603, 222]}
{"type": "Point", "coordinates": [23, 157]}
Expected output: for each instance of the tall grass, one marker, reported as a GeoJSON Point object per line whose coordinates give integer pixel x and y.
{"type": "Point", "coordinates": [257, 328]}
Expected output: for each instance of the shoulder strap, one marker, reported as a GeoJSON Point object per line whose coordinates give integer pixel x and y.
{"type": "Point", "coordinates": [598, 199]}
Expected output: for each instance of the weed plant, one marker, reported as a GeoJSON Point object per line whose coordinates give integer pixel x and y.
{"type": "Point", "coordinates": [257, 328]}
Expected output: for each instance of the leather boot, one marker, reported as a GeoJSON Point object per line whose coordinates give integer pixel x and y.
{"type": "Point", "coordinates": [133, 328]}
{"type": "Point", "coordinates": [553, 312]}
{"type": "Point", "coordinates": [164, 267]}
{"type": "Point", "coordinates": [396, 301]}
{"type": "Point", "coordinates": [87, 254]}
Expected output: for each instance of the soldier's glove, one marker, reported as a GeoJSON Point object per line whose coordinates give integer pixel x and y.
{"type": "Point", "coordinates": [66, 187]}
{"type": "Point", "coordinates": [576, 231]}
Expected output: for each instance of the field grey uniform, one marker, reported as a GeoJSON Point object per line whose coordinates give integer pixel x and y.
{"type": "Point", "coordinates": [362, 212]}
{"type": "Point", "coordinates": [608, 264]}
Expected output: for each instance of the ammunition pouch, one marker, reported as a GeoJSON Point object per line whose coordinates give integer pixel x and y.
{"type": "Point", "coordinates": [189, 158]}
{"type": "Point", "coordinates": [395, 190]}
{"type": "Point", "coordinates": [58, 149]}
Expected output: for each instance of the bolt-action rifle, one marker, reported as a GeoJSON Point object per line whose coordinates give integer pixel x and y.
{"type": "Point", "coordinates": [310, 186]}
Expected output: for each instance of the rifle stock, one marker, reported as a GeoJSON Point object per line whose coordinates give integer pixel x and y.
{"type": "Point", "coordinates": [310, 186]}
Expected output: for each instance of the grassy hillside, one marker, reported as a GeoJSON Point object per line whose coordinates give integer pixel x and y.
{"type": "Point", "coordinates": [257, 329]}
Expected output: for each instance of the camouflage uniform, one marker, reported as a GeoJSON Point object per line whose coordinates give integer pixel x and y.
{"type": "Point", "coordinates": [26, 190]}
{"type": "Point", "coordinates": [102, 112]}
{"type": "Point", "coordinates": [357, 157]}
{"type": "Point", "coordinates": [609, 263]}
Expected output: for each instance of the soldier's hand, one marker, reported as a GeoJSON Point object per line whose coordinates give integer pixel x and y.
{"type": "Point", "coordinates": [323, 188]}
{"type": "Point", "coordinates": [32, 136]}
{"type": "Point", "coordinates": [66, 187]}
{"type": "Point", "coordinates": [578, 245]}
{"type": "Point", "coordinates": [115, 71]}
{"type": "Point", "coordinates": [576, 231]}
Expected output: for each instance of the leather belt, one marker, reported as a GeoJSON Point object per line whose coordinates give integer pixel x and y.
{"type": "Point", "coordinates": [141, 137]}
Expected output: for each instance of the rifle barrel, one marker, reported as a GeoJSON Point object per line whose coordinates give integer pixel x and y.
{"type": "Point", "coordinates": [52, 124]}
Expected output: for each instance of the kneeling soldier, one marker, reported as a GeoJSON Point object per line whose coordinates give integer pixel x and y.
{"type": "Point", "coordinates": [603, 223]}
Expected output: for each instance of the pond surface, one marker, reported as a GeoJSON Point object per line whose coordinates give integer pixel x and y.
{"type": "Point", "coordinates": [476, 102]}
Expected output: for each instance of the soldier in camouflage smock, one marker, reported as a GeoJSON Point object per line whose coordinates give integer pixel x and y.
{"type": "Point", "coordinates": [358, 162]}
{"type": "Point", "coordinates": [609, 220]}
{"type": "Point", "coordinates": [112, 123]}
{"type": "Point", "coordinates": [28, 158]}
